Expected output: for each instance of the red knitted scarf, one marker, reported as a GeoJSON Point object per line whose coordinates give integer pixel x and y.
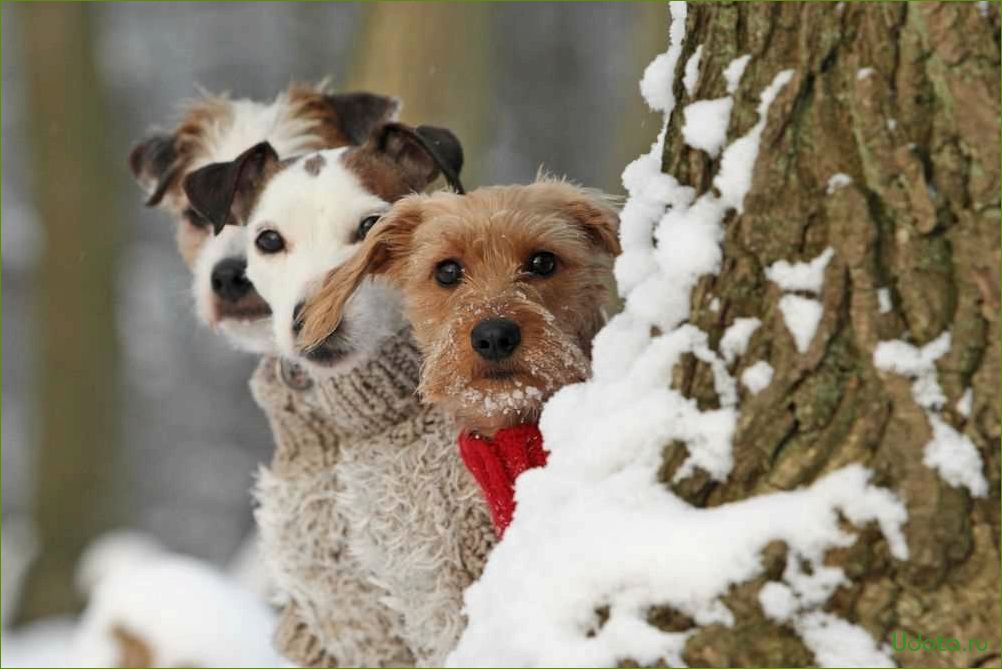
{"type": "Point", "coordinates": [496, 462]}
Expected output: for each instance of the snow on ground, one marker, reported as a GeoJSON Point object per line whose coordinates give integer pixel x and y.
{"type": "Point", "coordinates": [18, 548]}
{"type": "Point", "coordinates": [949, 452]}
{"type": "Point", "coordinates": [46, 643]}
{"type": "Point", "coordinates": [185, 612]}
{"type": "Point", "coordinates": [595, 528]}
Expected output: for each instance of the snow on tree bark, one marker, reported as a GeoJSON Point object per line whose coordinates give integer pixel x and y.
{"type": "Point", "coordinates": [904, 100]}
{"type": "Point", "coordinates": [682, 519]}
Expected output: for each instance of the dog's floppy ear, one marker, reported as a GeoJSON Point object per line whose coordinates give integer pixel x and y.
{"type": "Point", "coordinates": [446, 147]}
{"type": "Point", "coordinates": [154, 165]}
{"type": "Point", "coordinates": [358, 114]}
{"type": "Point", "coordinates": [590, 209]}
{"type": "Point", "coordinates": [387, 244]}
{"type": "Point", "coordinates": [225, 193]}
{"type": "Point", "coordinates": [598, 219]}
{"type": "Point", "coordinates": [421, 153]}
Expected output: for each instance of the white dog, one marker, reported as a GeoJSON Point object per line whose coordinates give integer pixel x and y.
{"type": "Point", "coordinates": [216, 128]}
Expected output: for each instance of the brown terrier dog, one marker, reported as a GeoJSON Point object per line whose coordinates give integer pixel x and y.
{"type": "Point", "coordinates": [505, 288]}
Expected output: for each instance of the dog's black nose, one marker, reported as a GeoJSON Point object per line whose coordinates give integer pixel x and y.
{"type": "Point", "coordinates": [297, 322]}
{"type": "Point", "coordinates": [229, 279]}
{"type": "Point", "coordinates": [496, 338]}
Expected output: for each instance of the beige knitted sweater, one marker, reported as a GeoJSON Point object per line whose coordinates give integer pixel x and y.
{"type": "Point", "coordinates": [370, 524]}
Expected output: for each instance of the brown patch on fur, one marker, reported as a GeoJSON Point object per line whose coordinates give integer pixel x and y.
{"type": "Point", "coordinates": [204, 120]}
{"type": "Point", "coordinates": [133, 651]}
{"type": "Point", "coordinates": [379, 175]}
{"type": "Point", "coordinates": [311, 103]}
{"type": "Point", "coordinates": [396, 161]}
{"type": "Point", "coordinates": [491, 232]}
{"type": "Point", "coordinates": [340, 119]}
{"type": "Point", "coordinates": [314, 164]}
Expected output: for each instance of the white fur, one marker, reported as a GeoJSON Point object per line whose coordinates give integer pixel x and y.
{"type": "Point", "coordinates": [250, 123]}
{"type": "Point", "coordinates": [253, 122]}
{"type": "Point", "coordinates": [252, 335]}
{"type": "Point", "coordinates": [317, 216]}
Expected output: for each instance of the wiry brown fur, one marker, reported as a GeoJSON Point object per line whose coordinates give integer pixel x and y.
{"type": "Point", "coordinates": [491, 232]}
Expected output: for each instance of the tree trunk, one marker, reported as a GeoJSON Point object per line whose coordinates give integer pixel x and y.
{"type": "Point", "coordinates": [918, 133]}
{"type": "Point", "coordinates": [75, 466]}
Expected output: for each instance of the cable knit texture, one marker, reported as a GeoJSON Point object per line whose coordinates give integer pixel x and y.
{"type": "Point", "coordinates": [369, 522]}
{"type": "Point", "coordinates": [497, 461]}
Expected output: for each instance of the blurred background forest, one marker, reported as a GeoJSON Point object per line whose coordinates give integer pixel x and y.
{"type": "Point", "coordinates": [119, 410]}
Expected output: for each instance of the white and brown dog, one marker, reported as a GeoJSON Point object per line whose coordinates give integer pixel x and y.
{"type": "Point", "coordinates": [303, 216]}
{"type": "Point", "coordinates": [397, 498]}
{"type": "Point", "coordinates": [216, 128]}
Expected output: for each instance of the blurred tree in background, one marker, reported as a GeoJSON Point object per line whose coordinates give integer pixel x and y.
{"type": "Point", "coordinates": [75, 478]}
{"type": "Point", "coordinates": [446, 80]}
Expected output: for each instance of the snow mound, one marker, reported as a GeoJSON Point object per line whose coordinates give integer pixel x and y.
{"type": "Point", "coordinates": [112, 553]}
{"type": "Point", "coordinates": [18, 547]}
{"type": "Point", "coordinates": [596, 529]}
{"type": "Point", "coordinates": [46, 643]}
{"type": "Point", "coordinates": [149, 607]}
{"type": "Point", "coordinates": [185, 613]}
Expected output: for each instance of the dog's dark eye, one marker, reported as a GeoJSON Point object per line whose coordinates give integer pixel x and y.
{"type": "Point", "coordinates": [448, 273]}
{"type": "Point", "coordinates": [269, 241]}
{"type": "Point", "coordinates": [195, 218]}
{"type": "Point", "coordinates": [541, 264]}
{"type": "Point", "coordinates": [365, 226]}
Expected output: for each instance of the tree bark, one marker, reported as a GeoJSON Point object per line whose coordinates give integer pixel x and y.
{"type": "Point", "coordinates": [75, 466]}
{"type": "Point", "coordinates": [919, 136]}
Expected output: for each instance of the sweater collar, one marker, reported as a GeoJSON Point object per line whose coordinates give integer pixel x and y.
{"type": "Point", "coordinates": [376, 394]}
